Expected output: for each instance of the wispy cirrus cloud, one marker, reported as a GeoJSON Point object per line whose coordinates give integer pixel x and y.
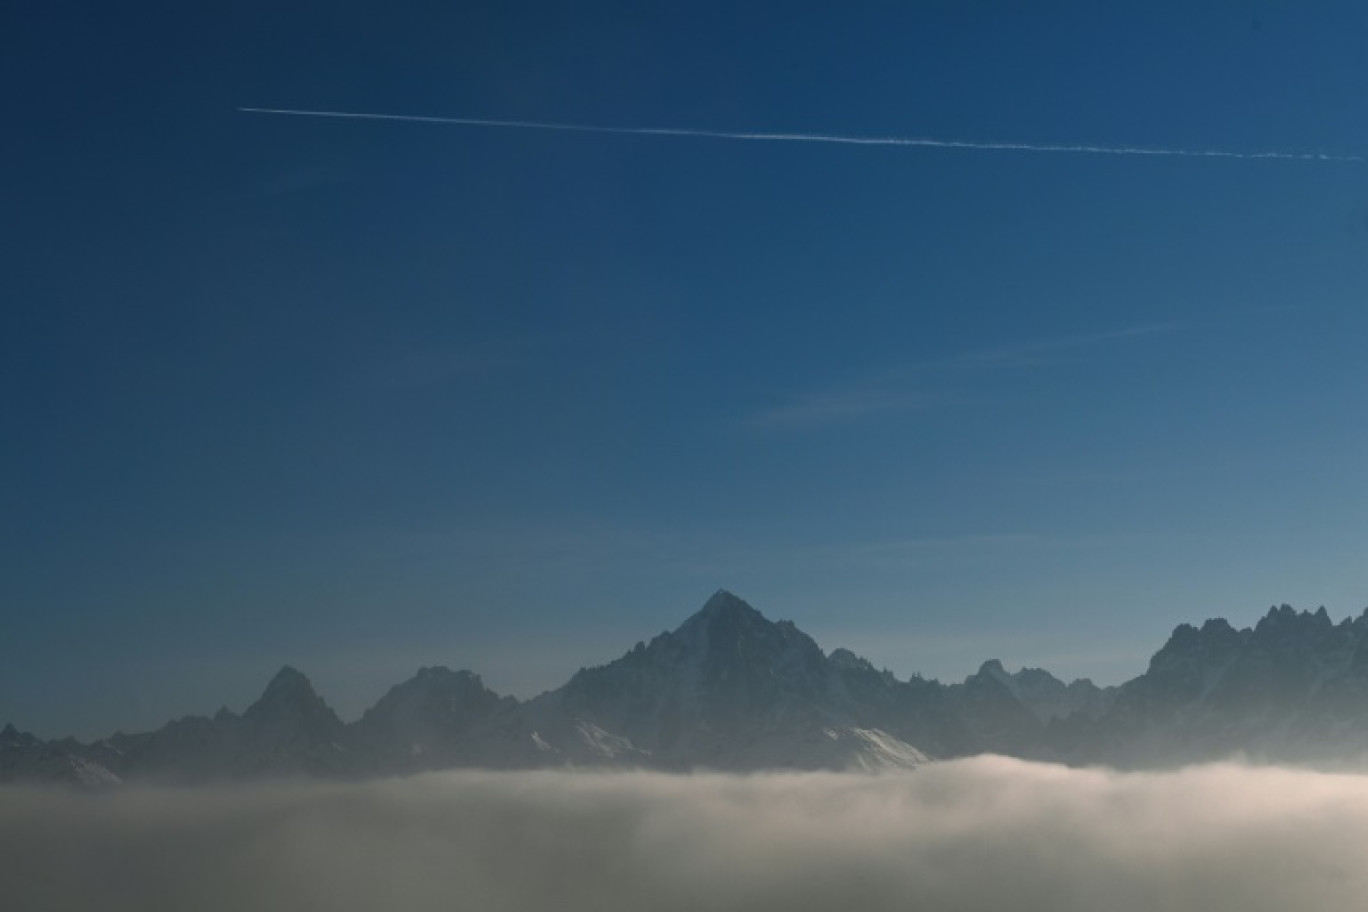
{"type": "Point", "coordinates": [432, 365]}
{"type": "Point", "coordinates": [844, 405]}
{"type": "Point", "coordinates": [920, 385]}
{"type": "Point", "coordinates": [1039, 351]}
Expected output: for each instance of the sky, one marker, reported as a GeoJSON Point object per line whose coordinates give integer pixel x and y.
{"type": "Point", "coordinates": [362, 396]}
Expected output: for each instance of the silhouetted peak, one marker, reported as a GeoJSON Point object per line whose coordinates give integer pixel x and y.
{"type": "Point", "coordinates": [1037, 677]}
{"type": "Point", "coordinates": [289, 680]}
{"type": "Point", "coordinates": [845, 660]}
{"type": "Point", "coordinates": [435, 699]}
{"type": "Point", "coordinates": [440, 674]}
{"type": "Point", "coordinates": [726, 628]}
{"type": "Point", "coordinates": [288, 711]}
{"type": "Point", "coordinates": [1215, 632]}
{"type": "Point", "coordinates": [1188, 646]}
{"type": "Point", "coordinates": [991, 673]}
{"type": "Point", "coordinates": [289, 692]}
{"type": "Point", "coordinates": [13, 737]}
{"type": "Point", "coordinates": [1277, 615]}
{"type": "Point", "coordinates": [724, 603]}
{"type": "Point", "coordinates": [1183, 633]}
{"type": "Point", "coordinates": [1285, 618]}
{"type": "Point", "coordinates": [438, 679]}
{"type": "Point", "coordinates": [991, 677]}
{"type": "Point", "coordinates": [723, 612]}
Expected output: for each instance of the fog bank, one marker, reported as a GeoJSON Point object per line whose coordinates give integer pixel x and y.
{"type": "Point", "coordinates": [966, 835]}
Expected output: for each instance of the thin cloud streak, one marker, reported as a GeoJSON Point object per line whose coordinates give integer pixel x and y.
{"type": "Point", "coordinates": [1033, 351]}
{"type": "Point", "coordinates": [826, 408]}
{"type": "Point", "coordinates": [419, 368]}
{"type": "Point", "coordinates": [836, 139]}
{"type": "Point", "coordinates": [891, 390]}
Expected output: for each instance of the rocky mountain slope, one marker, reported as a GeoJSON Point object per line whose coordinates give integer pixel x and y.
{"type": "Point", "coordinates": [1294, 688]}
{"type": "Point", "coordinates": [730, 689]}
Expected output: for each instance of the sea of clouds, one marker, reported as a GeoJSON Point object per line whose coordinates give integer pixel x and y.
{"type": "Point", "coordinates": [979, 834]}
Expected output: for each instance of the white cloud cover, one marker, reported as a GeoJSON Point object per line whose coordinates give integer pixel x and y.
{"type": "Point", "coordinates": [977, 834]}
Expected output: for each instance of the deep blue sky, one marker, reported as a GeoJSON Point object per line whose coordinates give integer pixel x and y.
{"type": "Point", "coordinates": [366, 396]}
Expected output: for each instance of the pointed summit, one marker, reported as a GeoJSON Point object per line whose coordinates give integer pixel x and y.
{"type": "Point", "coordinates": [12, 737]}
{"type": "Point", "coordinates": [436, 699]}
{"type": "Point", "coordinates": [724, 603]}
{"type": "Point", "coordinates": [843, 659]}
{"type": "Point", "coordinates": [723, 598]}
{"type": "Point", "coordinates": [290, 707]}
{"type": "Point", "coordinates": [700, 694]}
{"type": "Point", "coordinates": [993, 668]}
{"type": "Point", "coordinates": [289, 680]}
{"type": "Point", "coordinates": [289, 692]}
{"type": "Point", "coordinates": [724, 612]}
{"type": "Point", "coordinates": [441, 717]}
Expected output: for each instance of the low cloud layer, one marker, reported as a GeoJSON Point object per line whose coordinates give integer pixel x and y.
{"type": "Point", "coordinates": [977, 834]}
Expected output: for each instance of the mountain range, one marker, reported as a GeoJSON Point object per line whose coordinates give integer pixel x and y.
{"type": "Point", "coordinates": [730, 689]}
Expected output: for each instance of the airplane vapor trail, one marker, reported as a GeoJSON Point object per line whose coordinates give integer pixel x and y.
{"type": "Point", "coordinates": [819, 137]}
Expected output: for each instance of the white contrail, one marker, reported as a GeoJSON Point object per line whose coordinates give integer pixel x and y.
{"type": "Point", "coordinates": [821, 137]}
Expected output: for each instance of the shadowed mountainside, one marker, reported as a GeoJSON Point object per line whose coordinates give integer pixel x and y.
{"type": "Point", "coordinates": [730, 689]}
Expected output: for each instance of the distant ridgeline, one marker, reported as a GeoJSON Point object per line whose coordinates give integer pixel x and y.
{"type": "Point", "coordinates": [732, 690]}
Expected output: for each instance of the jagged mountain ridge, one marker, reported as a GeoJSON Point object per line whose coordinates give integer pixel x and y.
{"type": "Point", "coordinates": [1294, 688]}
{"type": "Point", "coordinates": [729, 689]}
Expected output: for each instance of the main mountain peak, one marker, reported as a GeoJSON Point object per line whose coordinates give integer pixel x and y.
{"type": "Point", "coordinates": [723, 600]}
{"type": "Point", "coordinates": [731, 689]}
{"type": "Point", "coordinates": [727, 636]}
{"type": "Point", "coordinates": [724, 609]}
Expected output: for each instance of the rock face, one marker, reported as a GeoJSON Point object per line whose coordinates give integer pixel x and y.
{"type": "Point", "coordinates": [441, 718]}
{"type": "Point", "coordinates": [288, 731]}
{"type": "Point", "coordinates": [1046, 697]}
{"type": "Point", "coordinates": [25, 758]}
{"type": "Point", "coordinates": [731, 690]}
{"type": "Point", "coordinates": [1292, 689]}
